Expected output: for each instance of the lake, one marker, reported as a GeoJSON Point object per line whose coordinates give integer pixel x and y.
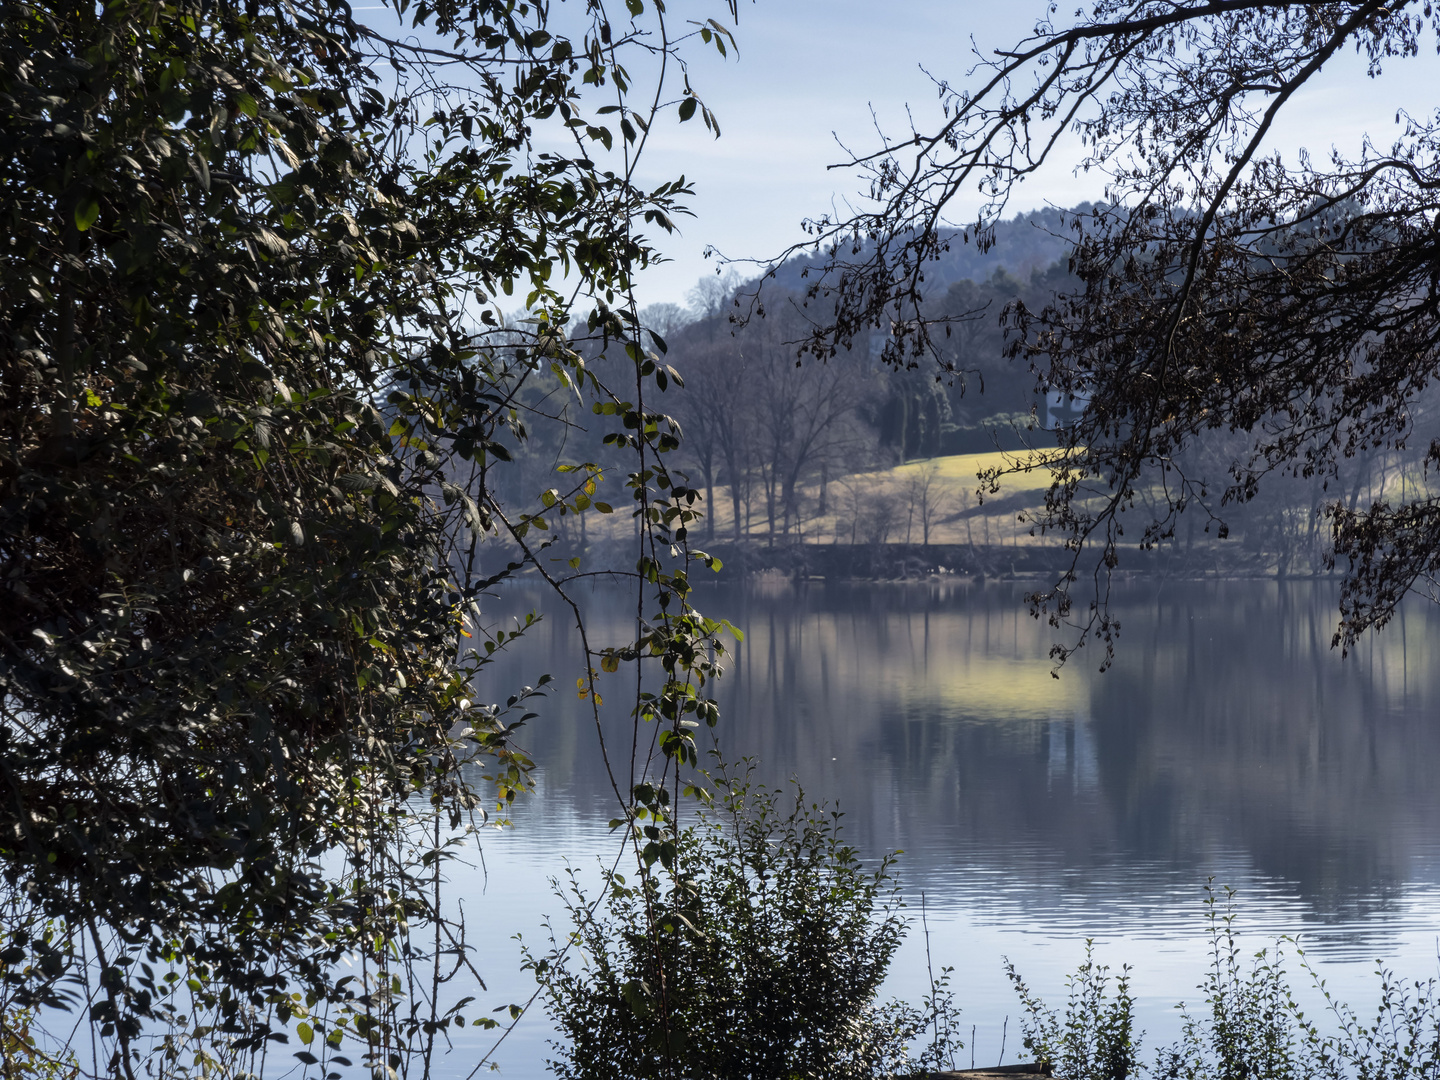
{"type": "Point", "coordinates": [1228, 742]}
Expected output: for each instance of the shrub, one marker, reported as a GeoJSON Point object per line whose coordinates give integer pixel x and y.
{"type": "Point", "coordinates": [1095, 1040]}
{"type": "Point", "coordinates": [759, 956]}
{"type": "Point", "coordinates": [1252, 1028]}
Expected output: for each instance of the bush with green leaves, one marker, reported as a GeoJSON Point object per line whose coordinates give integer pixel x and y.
{"type": "Point", "coordinates": [1096, 1038]}
{"type": "Point", "coordinates": [1252, 1028]}
{"type": "Point", "coordinates": [760, 955]}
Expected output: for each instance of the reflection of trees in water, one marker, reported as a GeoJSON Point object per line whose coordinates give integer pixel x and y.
{"type": "Point", "coordinates": [992, 791]}
{"type": "Point", "coordinates": [1227, 730]}
{"type": "Point", "coordinates": [1233, 724]}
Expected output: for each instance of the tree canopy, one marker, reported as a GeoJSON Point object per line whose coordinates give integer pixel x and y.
{"type": "Point", "coordinates": [258, 387]}
{"type": "Point", "coordinates": [1290, 306]}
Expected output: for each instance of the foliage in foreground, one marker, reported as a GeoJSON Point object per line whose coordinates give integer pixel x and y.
{"type": "Point", "coordinates": [775, 941]}
{"type": "Point", "coordinates": [1252, 1028]}
{"type": "Point", "coordinates": [258, 400]}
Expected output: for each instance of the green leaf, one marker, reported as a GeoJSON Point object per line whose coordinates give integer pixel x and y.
{"type": "Point", "coordinates": [687, 109]}
{"type": "Point", "coordinates": [300, 315]}
{"type": "Point", "coordinates": [87, 212]}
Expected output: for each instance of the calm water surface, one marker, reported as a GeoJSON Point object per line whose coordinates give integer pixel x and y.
{"type": "Point", "coordinates": [1228, 741]}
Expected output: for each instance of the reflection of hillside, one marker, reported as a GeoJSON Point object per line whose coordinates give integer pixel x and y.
{"type": "Point", "coordinates": [1236, 725]}
{"type": "Point", "coordinates": [1227, 734]}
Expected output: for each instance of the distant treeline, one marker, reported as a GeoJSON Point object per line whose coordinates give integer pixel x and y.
{"type": "Point", "coordinates": [768, 437]}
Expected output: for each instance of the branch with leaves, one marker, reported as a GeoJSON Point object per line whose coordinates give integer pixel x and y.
{"type": "Point", "coordinates": [1219, 290]}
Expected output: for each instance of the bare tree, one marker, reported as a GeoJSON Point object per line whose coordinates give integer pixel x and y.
{"type": "Point", "coordinates": [716, 416]}
{"type": "Point", "coordinates": [1219, 286]}
{"type": "Point", "coordinates": [808, 415]}
{"type": "Point", "coordinates": [665, 319]}
{"type": "Point", "coordinates": [714, 294]}
{"type": "Point", "coordinates": [867, 512]}
{"type": "Point", "coordinates": [755, 418]}
{"type": "Point", "coordinates": [927, 496]}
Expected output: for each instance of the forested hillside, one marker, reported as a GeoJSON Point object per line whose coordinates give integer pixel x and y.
{"type": "Point", "coordinates": [775, 445]}
{"type": "Point", "coordinates": [1024, 244]}
{"type": "Point", "coordinates": [791, 451]}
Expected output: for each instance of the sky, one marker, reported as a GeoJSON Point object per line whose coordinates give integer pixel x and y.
{"type": "Point", "coordinates": [810, 75]}
{"type": "Point", "coordinates": [809, 71]}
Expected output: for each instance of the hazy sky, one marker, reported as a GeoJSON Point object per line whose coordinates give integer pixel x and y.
{"type": "Point", "coordinates": [809, 70]}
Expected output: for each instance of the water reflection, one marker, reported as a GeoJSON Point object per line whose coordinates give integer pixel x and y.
{"type": "Point", "coordinates": [1228, 740]}
{"type": "Point", "coordinates": [1227, 724]}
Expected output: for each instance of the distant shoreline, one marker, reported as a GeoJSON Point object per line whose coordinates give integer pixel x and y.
{"type": "Point", "coordinates": [911, 562]}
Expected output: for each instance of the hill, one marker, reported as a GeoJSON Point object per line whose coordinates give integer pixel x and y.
{"type": "Point", "coordinates": [1024, 244]}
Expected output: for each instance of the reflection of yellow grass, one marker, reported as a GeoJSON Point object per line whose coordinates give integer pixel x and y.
{"type": "Point", "coordinates": [998, 687]}
{"type": "Point", "coordinates": [957, 662]}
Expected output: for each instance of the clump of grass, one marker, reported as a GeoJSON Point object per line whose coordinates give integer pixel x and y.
{"type": "Point", "coordinates": [1251, 1026]}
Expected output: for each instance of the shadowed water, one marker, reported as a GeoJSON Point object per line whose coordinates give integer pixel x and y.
{"type": "Point", "coordinates": [1228, 740]}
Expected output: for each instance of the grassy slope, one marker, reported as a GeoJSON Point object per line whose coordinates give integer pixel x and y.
{"type": "Point", "coordinates": [960, 518]}
{"type": "Point", "coordinates": [965, 469]}
{"type": "Point", "coordinates": [891, 493]}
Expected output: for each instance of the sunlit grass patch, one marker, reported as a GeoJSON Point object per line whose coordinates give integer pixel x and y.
{"type": "Point", "coordinates": [968, 467]}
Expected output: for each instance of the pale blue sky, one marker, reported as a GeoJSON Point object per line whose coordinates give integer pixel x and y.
{"type": "Point", "coordinates": [808, 71]}
{"type": "Point", "coordinates": [810, 68]}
